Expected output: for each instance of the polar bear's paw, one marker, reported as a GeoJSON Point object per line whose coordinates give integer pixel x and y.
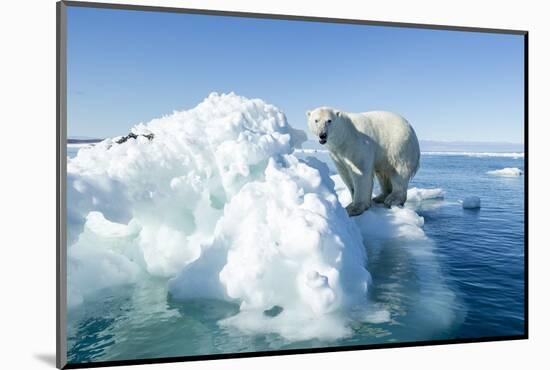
{"type": "Point", "coordinates": [380, 198]}
{"type": "Point", "coordinates": [356, 209]}
{"type": "Point", "coordinates": [395, 199]}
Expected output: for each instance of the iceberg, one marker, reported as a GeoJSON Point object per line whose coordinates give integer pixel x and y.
{"type": "Point", "coordinates": [217, 205]}
{"type": "Point", "coordinates": [213, 202]}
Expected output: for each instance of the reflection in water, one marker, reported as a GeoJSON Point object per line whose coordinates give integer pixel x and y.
{"type": "Point", "coordinates": [408, 298]}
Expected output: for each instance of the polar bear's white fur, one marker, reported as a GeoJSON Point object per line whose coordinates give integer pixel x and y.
{"type": "Point", "coordinates": [364, 144]}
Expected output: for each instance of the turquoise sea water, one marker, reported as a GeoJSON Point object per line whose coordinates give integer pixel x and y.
{"type": "Point", "coordinates": [467, 282]}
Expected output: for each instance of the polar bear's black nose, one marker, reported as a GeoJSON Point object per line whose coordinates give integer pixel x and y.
{"type": "Point", "coordinates": [323, 138]}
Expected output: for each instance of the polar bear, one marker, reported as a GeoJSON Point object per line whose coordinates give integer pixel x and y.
{"type": "Point", "coordinates": [364, 144]}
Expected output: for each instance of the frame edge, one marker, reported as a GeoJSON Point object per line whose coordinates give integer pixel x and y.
{"type": "Point", "coordinates": [61, 133]}
{"type": "Point", "coordinates": [61, 169]}
{"type": "Point", "coordinates": [291, 17]}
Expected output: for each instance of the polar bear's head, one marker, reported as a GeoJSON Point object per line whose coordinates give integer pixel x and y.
{"type": "Point", "coordinates": [322, 123]}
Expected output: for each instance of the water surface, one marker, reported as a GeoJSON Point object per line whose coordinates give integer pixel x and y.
{"type": "Point", "coordinates": [466, 281]}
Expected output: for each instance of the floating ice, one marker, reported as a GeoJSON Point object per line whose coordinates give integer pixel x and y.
{"type": "Point", "coordinates": [414, 195]}
{"type": "Point", "coordinates": [471, 202]}
{"type": "Point", "coordinates": [104, 256]}
{"type": "Point", "coordinates": [506, 172]}
{"type": "Point", "coordinates": [418, 195]}
{"type": "Point", "coordinates": [217, 205]}
{"type": "Point", "coordinates": [217, 187]}
{"type": "Point", "coordinates": [405, 267]}
{"type": "Point", "coordinates": [284, 241]}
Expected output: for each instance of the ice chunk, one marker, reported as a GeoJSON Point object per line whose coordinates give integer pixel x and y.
{"type": "Point", "coordinates": [414, 195]}
{"type": "Point", "coordinates": [405, 266]}
{"type": "Point", "coordinates": [285, 241]}
{"type": "Point", "coordinates": [380, 223]}
{"type": "Point", "coordinates": [506, 172]}
{"type": "Point", "coordinates": [215, 201]}
{"type": "Point", "coordinates": [471, 202]}
{"type": "Point", "coordinates": [102, 257]}
{"type": "Point", "coordinates": [419, 195]}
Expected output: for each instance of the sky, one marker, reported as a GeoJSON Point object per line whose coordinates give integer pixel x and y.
{"type": "Point", "coordinates": [127, 67]}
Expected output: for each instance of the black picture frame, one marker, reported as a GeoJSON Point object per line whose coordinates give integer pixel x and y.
{"type": "Point", "coordinates": [61, 173]}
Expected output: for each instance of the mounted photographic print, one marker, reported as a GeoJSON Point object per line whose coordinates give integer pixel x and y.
{"type": "Point", "coordinates": [236, 184]}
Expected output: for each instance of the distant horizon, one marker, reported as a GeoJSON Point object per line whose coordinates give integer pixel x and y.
{"type": "Point", "coordinates": [453, 146]}
{"type": "Point", "coordinates": [425, 145]}
{"type": "Point", "coordinates": [83, 137]}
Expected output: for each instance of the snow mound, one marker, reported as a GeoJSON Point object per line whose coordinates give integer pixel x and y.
{"type": "Point", "coordinates": [284, 242]}
{"type": "Point", "coordinates": [174, 187]}
{"type": "Point", "coordinates": [216, 203]}
{"type": "Point", "coordinates": [472, 202]}
{"type": "Point", "coordinates": [506, 172]}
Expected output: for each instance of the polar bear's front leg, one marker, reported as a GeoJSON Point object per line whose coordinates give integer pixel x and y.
{"type": "Point", "coordinates": [344, 175]}
{"type": "Point", "coordinates": [362, 183]}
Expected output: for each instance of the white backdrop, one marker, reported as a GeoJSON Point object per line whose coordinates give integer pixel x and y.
{"type": "Point", "coordinates": [27, 184]}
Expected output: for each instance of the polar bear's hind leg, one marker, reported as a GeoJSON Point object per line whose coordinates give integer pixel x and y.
{"type": "Point", "coordinates": [398, 196]}
{"type": "Point", "coordinates": [385, 187]}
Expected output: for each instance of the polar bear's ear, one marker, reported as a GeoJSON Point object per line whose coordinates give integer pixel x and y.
{"type": "Point", "coordinates": [338, 113]}
{"type": "Point", "coordinates": [308, 113]}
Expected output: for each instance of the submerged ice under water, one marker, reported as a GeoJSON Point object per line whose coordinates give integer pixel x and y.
{"type": "Point", "coordinates": [217, 236]}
